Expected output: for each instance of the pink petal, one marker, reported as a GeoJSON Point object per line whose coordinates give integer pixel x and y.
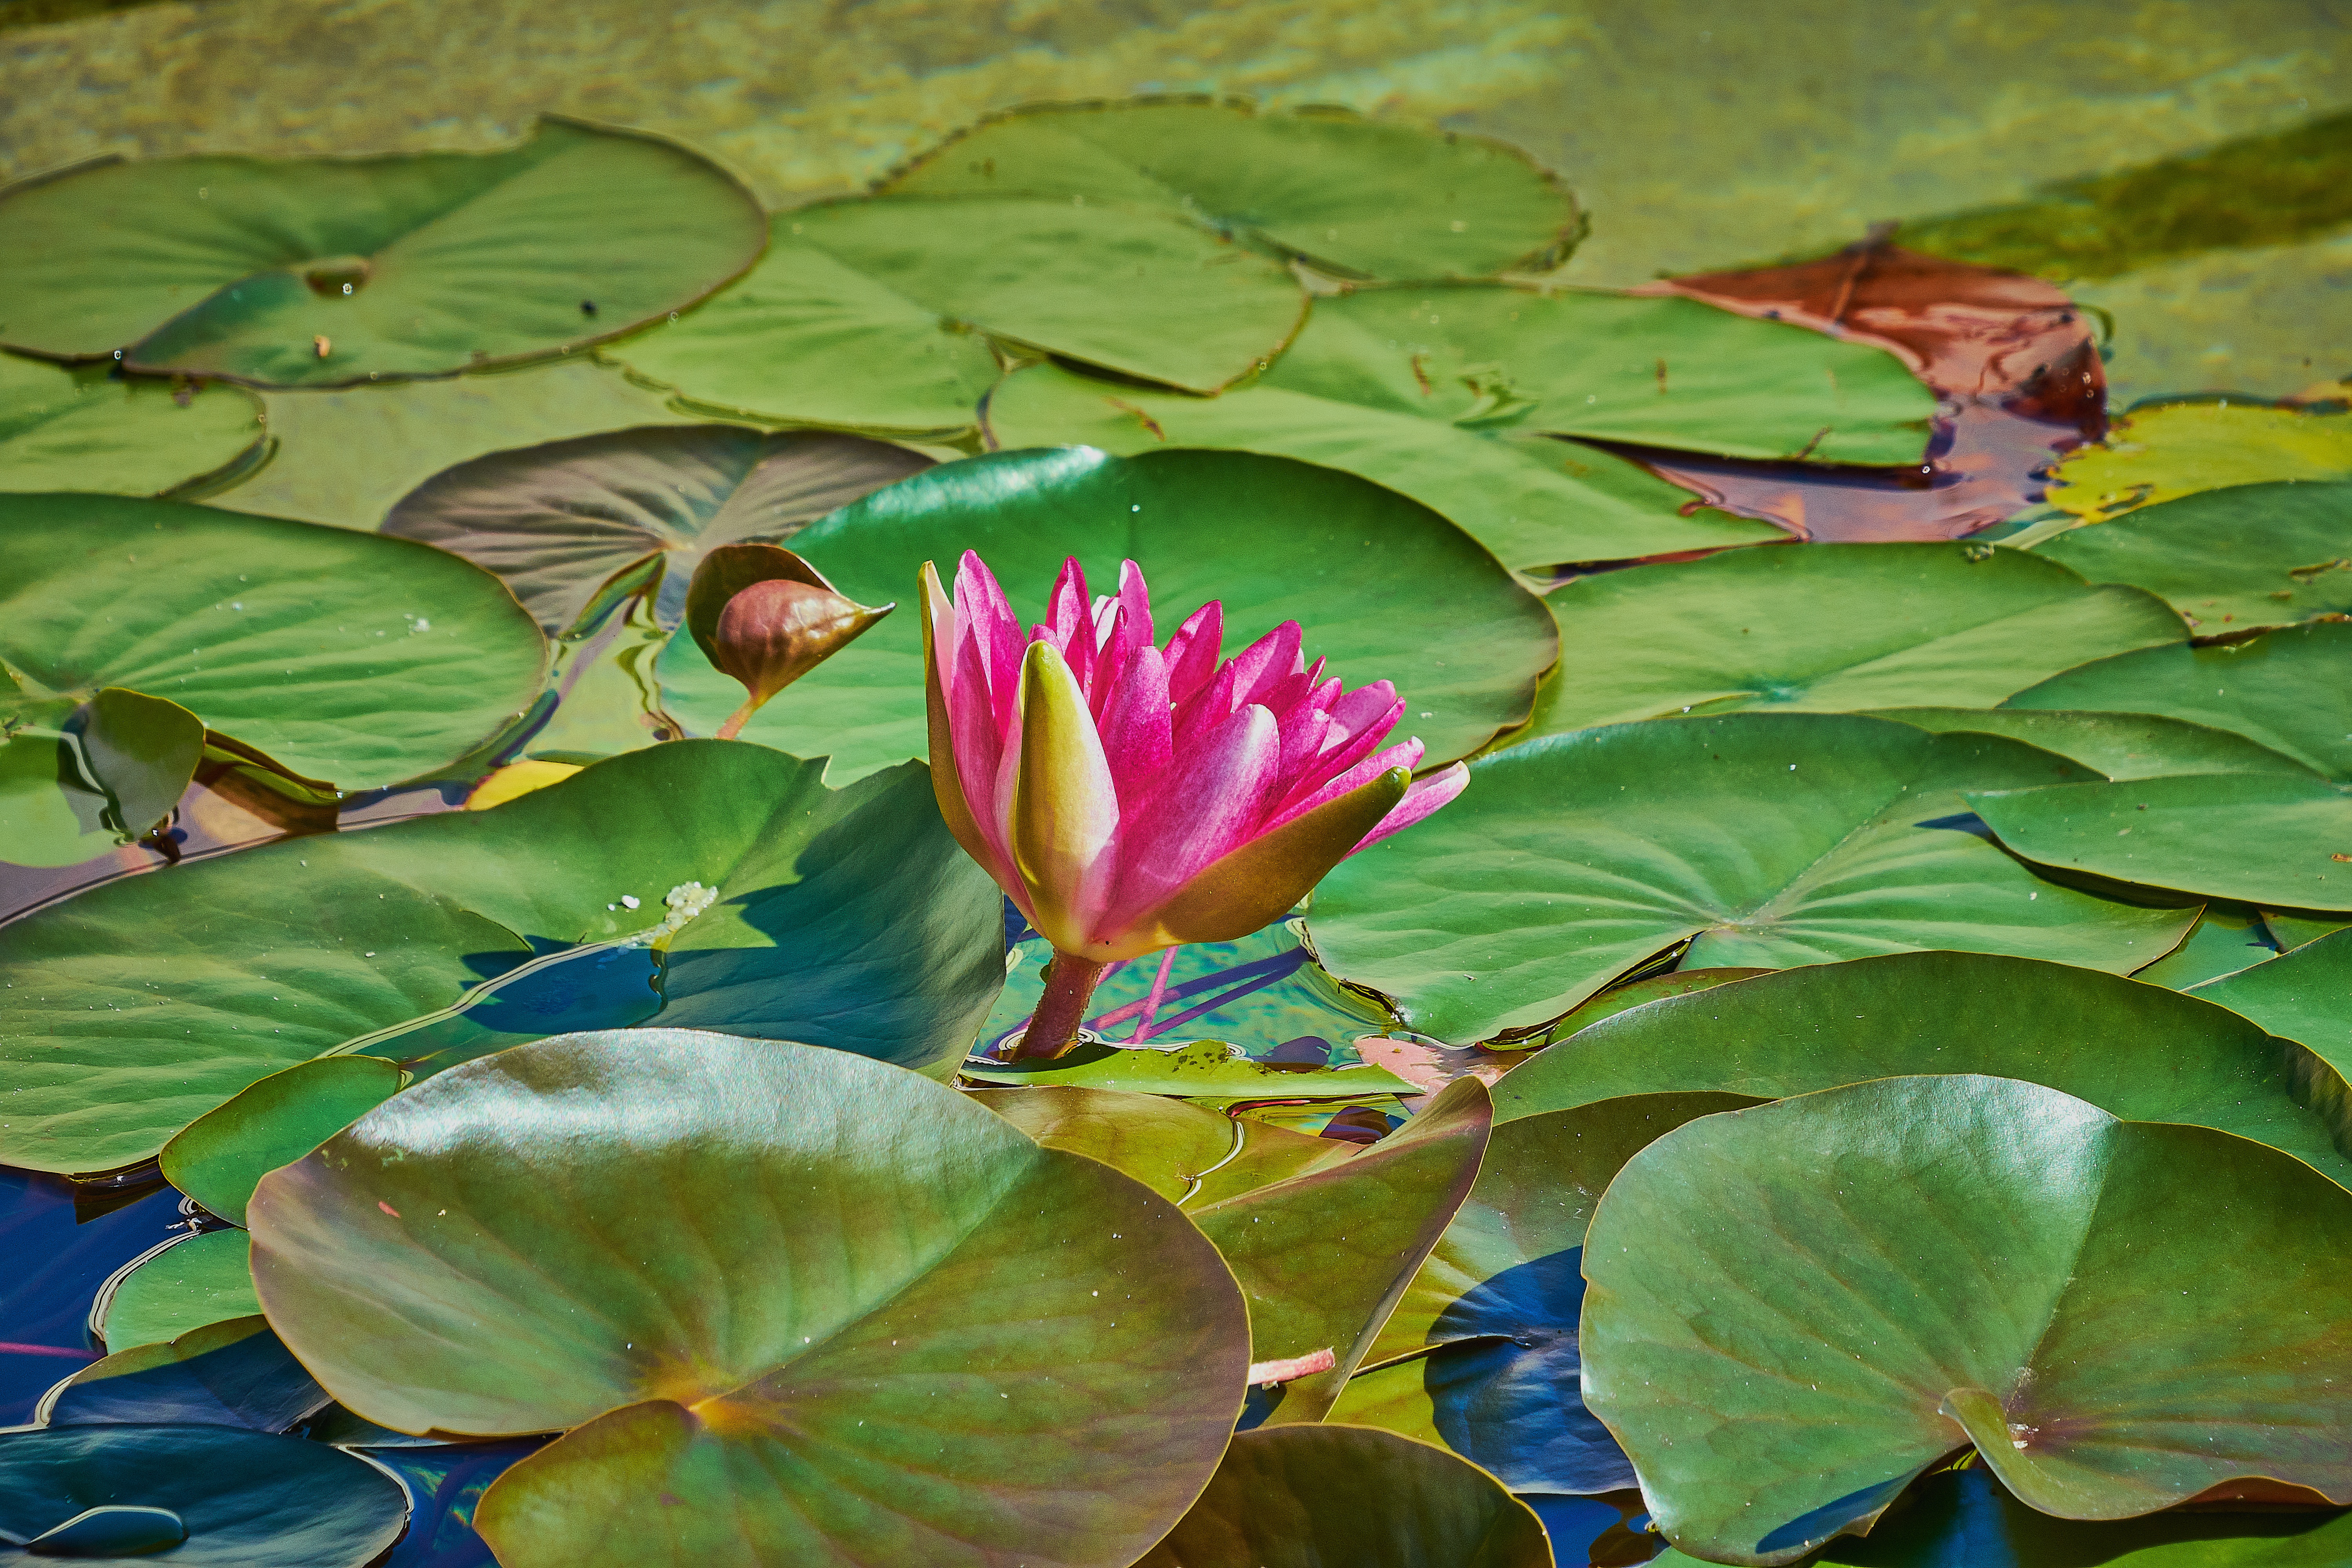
{"type": "Point", "coordinates": [1405, 755]}
{"type": "Point", "coordinates": [1209, 801]}
{"type": "Point", "coordinates": [1135, 725]}
{"type": "Point", "coordinates": [1068, 613]}
{"type": "Point", "coordinates": [983, 616]}
{"type": "Point", "coordinates": [1192, 651]}
{"type": "Point", "coordinates": [1339, 757]}
{"type": "Point", "coordinates": [1135, 598]}
{"type": "Point", "coordinates": [1261, 667]}
{"type": "Point", "coordinates": [1425, 796]}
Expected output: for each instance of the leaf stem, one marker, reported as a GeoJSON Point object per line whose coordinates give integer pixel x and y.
{"type": "Point", "coordinates": [1054, 1026]}
{"type": "Point", "coordinates": [737, 720]}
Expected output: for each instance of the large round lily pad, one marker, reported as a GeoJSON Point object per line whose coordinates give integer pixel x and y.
{"type": "Point", "coordinates": [1349, 195]}
{"type": "Point", "coordinates": [1371, 576]}
{"type": "Point", "coordinates": [88, 428]}
{"type": "Point", "coordinates": [242, 1500]}
{"type": "Point", "coordinates": [1831, 629]}
{"type": "Point", "coordinates": [1763, 839]}
{"type": "Point", "coordinates": [1480, 1356]}
{"type": "Point", "coordinates": [848, 918]}
{"type": "Point", "coordinates": [1309, 1497]}
{"type": "Point", "coordinates": [574, 526]}
{"type": "Point", "coordinates": [327, 271]}
{"type": "Point", "coordinates": [2252, 555]}
{"type": "Point", "coordinates": [2135, 1050]}
{"type": "Point", "coordinates": [2118, 1315]}
{"type": "Point", "coordinates": [364, 661]}
{"type": "Point", "coordinates": [848, 1298]}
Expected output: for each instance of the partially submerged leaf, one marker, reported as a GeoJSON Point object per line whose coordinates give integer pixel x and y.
{"type": "Point", "coordinates": [1899, 1269]}
{"type": "Point", "coordinates": [234, 1372]}
{"type": "Point", "coordinates": [2167, 450]}
{"type": "Point", "coordinates": [1196, 1070]}
{"type": "Point", "coordinates": [217, 1158]}
{"type": "Point", "coordinates": [145, 751]}
{"type": "Point", "coordinates": [1187, 1152]}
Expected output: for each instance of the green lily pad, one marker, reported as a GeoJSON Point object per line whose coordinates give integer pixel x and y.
{"type": "Point", "coordinates": [242, 1500]}
{"type": "Point", "coordinates": [234, 1372]}
{"type": "Point", "coordinates": [1196, 1070]}
{"type": "Point", "coordinates": [2135, 1050]}
{"type": "Point", "coordinates": [2291, 928]}
{"type": "Point", "coordinates": [2303, 994]}
{"type": "Point", "coordinates": [848, 917]}
{"type": "Point", "coordinates": [1829, 628]}
{"type": "Point", "coordinates": [574, 527]}
{"type": "Point", "coordinates": [1351, 197]}
{"type": "Point", "coordinates": [2253, 555]}
{"type": "Point", "coordinates": [2261, 839]}
{"type": "Point", "coordinates": [86, 428]}
{"type": "Point", "coordinates": [891, 1291]}
{"type": "Point", "coordinates": [1634, 993]}
{"type": "Point", "coordinates": [1323, 1256]}
{"type": "Point", "coordinates": [2120, 745]}
{"type": "Point", "coordinates": [217, 1158]}
{"type": "Point", "coordinates": [345, 454]}
{"type": "Point", "coordinates": [2119, 1315]}
{"type": "Point", "coordinates": [1180, 1150]}
{"type": "Point", "coordinates": [52, 811]}
{"type": "Point", "coordinates": [186, 1285]}
{"type": "Point", "coordinates": [1366, 573]}
{"type": "Point", "coordinates": [418, 264]}
{"type": "Point", "coordinates": [365, 661]}
{"type": "Point", "coordinates": [1304, 1497]}
{"type": "Point", "coordinates": [1532, 499]}
{"type": "Point", "coordinates": [2228, 938]}
{"type": "Point", "coordinates": [1967, 1517]}
{"type": "Point", "coordinates": [2290, 691]}
{"type": "Point", "coordinates": [809, 338]}
{"type": "Point", "coordinates": [1480, 1355]}
{"type": "Point", "coordinates": [1763, 839]}
{"type": "Point", "coordinates": [145, 751]}
{"type": "Point", "coordinates": [2159, 453]}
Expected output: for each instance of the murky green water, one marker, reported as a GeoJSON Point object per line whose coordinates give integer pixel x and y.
{"type": "Point", "coordinates": [1700, 133]}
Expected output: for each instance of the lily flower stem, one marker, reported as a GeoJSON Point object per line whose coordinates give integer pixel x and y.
{"type": "Point", "coordinates": [737, 720]}
{"type": "Point", "coordinates": [1054, 1027]}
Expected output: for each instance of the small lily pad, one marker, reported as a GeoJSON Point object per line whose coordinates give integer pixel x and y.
{"type": "Point", "coordinates": [190, 1284]}
{"type": "Point", "coordinates": [87, 427]}
{"type": "Point", "coordinates": [1195, 1069]}
{"type": "Point", "coordinates": [232, 1372]}
{"type": "Point", "coordinates": [1180, 1150]}
{"type": "Point", "coordinates": [218, 1157]}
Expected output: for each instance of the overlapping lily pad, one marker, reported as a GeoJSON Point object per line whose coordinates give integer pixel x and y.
{"type": "Point", "coordinates": [1831, 629]}
{"type": "Point", "coordinates": [1365, 571]}
{"type": "Point", "coordinates": [2302, 995]}
{"type": "Point", "coordinates": [235, 1373]}
{"type": "Point", "coordinates": [364, 661]}
{"type": "Point", "coordinates": [2253, 555]}
{"type": "Point", "coordinates": [1351, 196]}
{"type": "Point", "coordinates": [1199, 1070]}
{"type": "Point", "coordinates": [2135, 1050]}
{"type": "Point", "coordinates": [189, 1285]}
{"type": "Point", "coordinates": [1304, 1497]}
{"type": "Point", "coordinates": [1480, 1355]}
{"type": "Point", "coordinates": [848, 918]}
{"type": "Point", "coordinates": [1762, 839]}
{"type": "Point", "coordinates": [228, 1498]}
{"type": "Point", "coordinates": [573, 527]}
{"type": "Point", "coordinates": [2118, 1315]}
{"type": "Point", "coordinates": [324, 273]}
{"type": "Point", "coordinates": [1184, 1151]}
{"type": "Point", "coordinates": [2120, 745]}
{"type": "Point", "coordinates": [217, 1158]}
{"type": "Point", "coordinates": [88, 428]}
{"type": "Point", "coordinates": [888, 1292]}
{"type": "Point", "coordinates": [2158, 454]}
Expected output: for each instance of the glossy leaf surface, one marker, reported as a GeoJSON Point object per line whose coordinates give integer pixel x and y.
{"type": "Point", "coordinates": [1480, 1355]}
{"type": "Point", "coordinates": [1323, 1256]}
{"type": "Point", "coordinates": [364, 661]}
{"type": "Point", "coordinates": [847, 916]}
{"type": "Point", "coordinates": [1187, 1152]}
{"type": "Point", "coordinates": [2137, 1051]}
{"type": "Point", "coordinates": [830, 1372]}
{"type": "Point", "coordinates": [145, 751]}
{"type": "Point", "coordinates": [235, 1373]}
{"type": "Point", "coordinates": [1366, 573]}
{"type": "Point", "coordinates": [571, 527]}
{"type": "Point", "coordinates": [1895, 1270]}
{"type": "Point", "coordinates": [2253, 555]}
{"type": "Point", "coordinates": [217, 1158]}
{"type": "Point", "coordinates": [1829, 628]}
{"type": "Point", "coordinates": [1349, 195]}
{"type": "Point", "coordinates": [83, 429]}
{"type": "Point", "coordinates": [187, 1285]}
{"type": "Point", "coordinates": [1200, 1069]}
{"type": "Point", "coordinates": [1767, 839]}
{"type": "Point", "coordinates": [1306, 1496]}
{"type": "Point", "coordinates": [412, 265]}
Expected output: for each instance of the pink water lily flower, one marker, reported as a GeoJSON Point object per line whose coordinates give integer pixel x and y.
{"type": "Point", "coordinates": [1130, 796]}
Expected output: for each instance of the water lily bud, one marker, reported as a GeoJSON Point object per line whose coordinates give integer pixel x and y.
{"type": "Point", "coordinates": [767, 617]}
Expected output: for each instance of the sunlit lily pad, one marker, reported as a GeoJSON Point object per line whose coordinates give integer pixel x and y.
{"type": "Point", "coordinates": [2158, 454]}
{"type": "Point", "coordinates": [2118, 1315]}
{"type": "Point", "coordinates": [2303, 994]}
{"type": "Point", "coordinates": [1180, 1150]}
{"type": "Point", "coordinates": [2253, 555]}
{"type": "Point", "coordinates": [2228, 937]}
{"type": "Point", "coordinates": [573, 527]}
{"type": "Point", "coordinates": [364, 661]}
{"type": "Point", "coordinates": [1366, 573]}
{"type": "Point", "coordinates": [891, 1291]}
{"type": "Point", "coordinates": [234, 1372]}
{"type": "Point", "coordinates": [846, 916]}
{"type": "Point", "coordinates": [2120, 745]}
{"type": "Point", "coordinates": [1829, 628]}
{"type": "Point", "coordinates": [2135, 1050]}
{"type": "Point", "coordinates": [1480, 1356]}
{"type": "Point", "coordinates": [322, 272]}
{"type": "Point", "coordinates": [217, 1158]}
{"type": "Point", "coordinates": [1307, 1497]}
{"type": "Point", "coordinates": [188, 1285]}
{"type": "Point", "coordinates": [240, 1499]}
{"type": "Point", "coordinates": [1763, 839]}
{"type": "Point", "coordinates": [1196, 1070]}
{"type": "Point", "coordinates": [88, 428]}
